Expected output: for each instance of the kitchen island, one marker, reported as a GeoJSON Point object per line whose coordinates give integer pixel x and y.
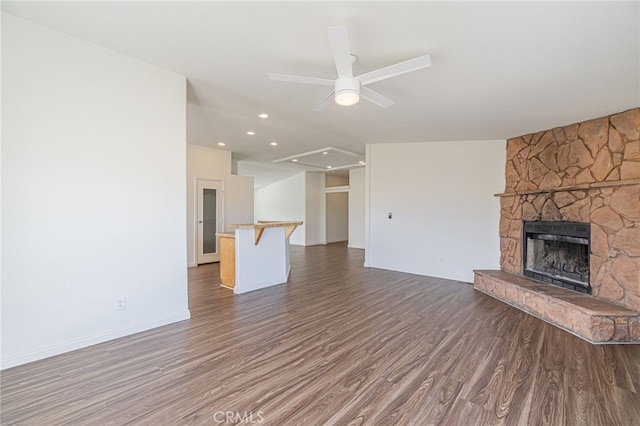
{"type": "Point", "coordinates": [256, 255]}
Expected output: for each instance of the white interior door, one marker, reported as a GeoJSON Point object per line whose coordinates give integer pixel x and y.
{"type": "Point", "coordinates": [210, 219]}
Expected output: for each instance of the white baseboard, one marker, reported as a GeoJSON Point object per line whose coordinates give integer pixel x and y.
{"type": "Point", "coordinates": [191, 264]}
{"type": "Point", "coordinates": [72, 345]}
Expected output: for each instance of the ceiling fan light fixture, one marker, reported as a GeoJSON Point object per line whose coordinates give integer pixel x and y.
{"type": "Point", "coordinates": [347, 91]}
{"type": "Point", "coordinates": [347, 97]}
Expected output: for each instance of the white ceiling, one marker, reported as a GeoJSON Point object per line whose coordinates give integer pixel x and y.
{"type": "Point", "coordinates": [326, 158]}
{"type": "Point", "coordinates": [499, 69]}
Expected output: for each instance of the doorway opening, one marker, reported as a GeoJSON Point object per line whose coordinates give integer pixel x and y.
{"type": "Point", "coordinates": [336, 207]}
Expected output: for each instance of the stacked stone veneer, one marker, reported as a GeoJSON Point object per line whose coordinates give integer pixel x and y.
{"type": "Point", "coordinates": [587, 172]}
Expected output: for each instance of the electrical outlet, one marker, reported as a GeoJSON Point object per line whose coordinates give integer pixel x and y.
{"type": "Point", "coordinates": [121, 304]}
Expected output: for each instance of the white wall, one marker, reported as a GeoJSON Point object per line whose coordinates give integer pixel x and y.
{"type": "Point", "coordinates": [299, 197]}
{"type": "Point", "coordinates": [93, 190]}
{"type": "Point", "coordinates": [356, 208]}
{"type": "Point", "coordinates": [283, 200]}
{"type": "Point", "coordinates": [315, 223]}
{"type": "Point", "coordinates": [445, 217]}
{"type": "Point", "coordinates": [337, 216]}
{"type": "Point", "coordinates": [238, 202]}
{"type": "Point", "coordinates": [209, 163]}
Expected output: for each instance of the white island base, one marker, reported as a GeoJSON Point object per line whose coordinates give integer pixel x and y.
{"type": "Point", "coordinates": [261, 255]}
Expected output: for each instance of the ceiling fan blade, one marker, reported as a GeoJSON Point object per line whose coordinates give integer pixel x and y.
{"type": "Point", "coordinates": [394, 70]}
{"type": "Point", "coordinates": [375, 97]}
{"type": "Point", "coordinates": [324, 103]}
{"type": "Point", "coordinates": [341, 52]}
{"type": "Point", "coordinates": [301, 79]}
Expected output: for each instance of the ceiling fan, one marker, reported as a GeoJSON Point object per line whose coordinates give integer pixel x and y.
{"type": "Point", "coordinates": [349, 89]}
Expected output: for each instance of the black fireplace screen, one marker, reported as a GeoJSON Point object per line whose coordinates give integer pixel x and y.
{"type": "Point", "coordinates": [557, 253]}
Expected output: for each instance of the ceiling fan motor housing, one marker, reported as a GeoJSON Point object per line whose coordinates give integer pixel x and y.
{"type": "Point", "coordinates": [347, 91]}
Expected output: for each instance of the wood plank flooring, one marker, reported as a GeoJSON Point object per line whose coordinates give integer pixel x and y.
{"type": "Point", "coordinates": [339, 344]}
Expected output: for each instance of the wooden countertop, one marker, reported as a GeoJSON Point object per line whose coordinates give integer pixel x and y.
{"type": "Point", "coordinates": [225, 235]}
{"type": "Point", "coordinates": [264, 224]}
{"type": "Point", "coordinates": [258, 228]}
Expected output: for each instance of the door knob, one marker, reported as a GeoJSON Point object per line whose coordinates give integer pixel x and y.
{"type": "Point", "coordinates": [200, 221]}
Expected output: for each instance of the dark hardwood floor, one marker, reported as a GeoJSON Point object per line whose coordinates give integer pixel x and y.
{"type": "Point", "coordinates": [338, 344]}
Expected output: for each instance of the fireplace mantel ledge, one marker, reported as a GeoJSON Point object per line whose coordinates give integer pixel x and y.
{"type": "Point", "coordinates": [607, 184]}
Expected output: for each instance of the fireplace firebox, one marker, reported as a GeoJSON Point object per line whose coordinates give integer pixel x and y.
{"type": "Point", "coordinates": [557, 253]}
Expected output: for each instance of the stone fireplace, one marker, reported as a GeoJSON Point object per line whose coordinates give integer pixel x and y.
{"type": "Point", "coordinates": [585, 175]}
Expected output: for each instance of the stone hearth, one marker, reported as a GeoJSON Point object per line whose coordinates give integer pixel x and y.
{"type": "Point", "coordinates": [590, 318]}
{"type": "Point", "coordinates": [590, 173]}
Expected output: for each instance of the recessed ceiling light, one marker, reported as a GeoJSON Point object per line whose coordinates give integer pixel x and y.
{"type": "Point", "coordinates": [361, 162]}
{"type": "Point", "coordinates": [325, 153]}
{"type": "Point", "coordinates": [328, 167]}
{"type": "Point", "coordinates": [251, 133]}
{"type": "Point", "coordinates": [295, 160]}
{"type": "Point", "coordinates": [263, 115]}
{"type": "Point", "coordinates": [274, 143]}
{"type": "Point", "coordinates": [222, 144]}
